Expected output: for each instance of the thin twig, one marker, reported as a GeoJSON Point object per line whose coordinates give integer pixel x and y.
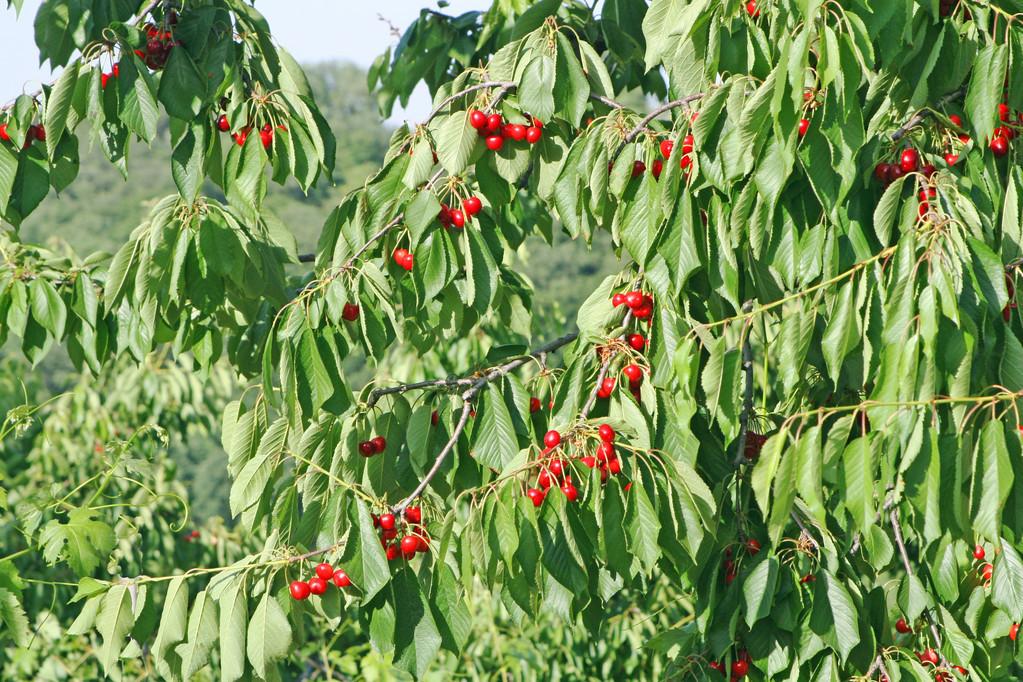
{"type": "Point", "coordinates": [504, 85]}
{"type": "Point", "coordinates": [379, 393]}
{"type": "Point", "coordinates": [634, 133]}
{"type": "Point", "coordinates": [920, 116]}
{"type": "Point", "coordinates": [901, 544]}
{"type": "Point", "coordinates": [747, 392]}
{"type": "Point", "coordinates": [467, 398]}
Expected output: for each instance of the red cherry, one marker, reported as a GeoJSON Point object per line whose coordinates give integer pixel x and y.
{"type": "Point", "coordinates": [379, 444]}
{"type": "Point", "coordinates": [633, 372]}
{"type": "Point", "coordinates": [350, 312]}
{"type": "Point", "coordinates": [687, 144]}
{"type": "Point", "coordinates": [392, 552]}
{"type": "Point", "coordinates": [752, 546]}
{"type": "Point", "coordinates": [1006, 132]}
{"type": "Point", "coordinates": [536, 496]}
{"type": "Point", "coordinates": [325, 571]}
{"type": "Point", "coordinates": [533, 134]}
{"type": "Point", "coordinates": [557, 468]}
{"type": "Point", "coordinates": [1013, 631]}
{"type": "Point", "coordinates": [605, 451]}
{"type": "Point", "coordinates": [956, 119]}
{"type": "Point", "coordinates": [607, 434]}
{"type": "Point", "coordinates": [804, 125]}
{"type": "Point", "coordinates": [400, 256]}
{"type": "Point", "coordinates": [414, 515]}
{"type": "Point", "coordinates": [614, 466]}
{"type": "Point", "coordinates": [366, 449]}
{"type": "Point", "coordinates": [909, 160]}
{"type": "Point", "coordinates": [477, 119]}
{"type": "Point", "coordinates": [978, 552]}
{"type": "Point", "coordinates": [341, 579]}
{"type": "Point", "coordinates": [472, 205]}
{"type": "Point", "coordinates": [808, 578]}
{"type": "Point", "coordinates": [634, 299]}
{"type": "Point", "coordinates": [103, 78]}
{"type": "Point", "coordinates": [223, 125]}
{"type": "Point", "coordinates": [637, 341]}
{"type": "Point", "coordinates": [666, 147]}
{"type": "Point", "coordinates": [608, 384]}
{"type": "Point", "coordinates": [457, 218]}
{"type": "Point", "coordinates": [552, 439]}
{"type": "Point", "coordinates": [517, 132]}
{"type": "Point", "coordinates": [299, 589]}
{"type": "Point", "coordinates": [715, 665]}
{"type": "Point", "coordinates": [317, 585]}
{"type": "Point", "coordinates": [571, 494]}
{"type": "Point", "coordinates": [1003, 111]}
{"type": "Point", "coordinates": [638, 168]}
{"type": "Point", "coordinates": [751, 9]}
{"type": "Point", "coordinates": [928, 170]}
{"type": "Point", "coordinates": [928, 656]}
{"type": "Point", "coordinates": [951, 159]}
{"type": "Point", "coordinates": [494, 142]}
{"type": "Point", "coordinates": [544, 479]}
{"type": "Point", "coordinates": [266, 137]}
{"type": "Point", "coordinates": [589, 460]}
{"type": "Point", "coordinates": [537, 123]}
{"type": "Point", "coordinates": [902, 626]}
{"type": "Point", "coordinates": [740, 667]}
{"type": "Point", "coordinates": [656, 168]}
{"type": "Point", "coordinates": [4, 135]}
{"type": "Point", "coordinates": [534, 405]}
{"type": "Point", "coordinates": [616, 300]}
{"type": "Point", "coordinates": [494, 122]}
{"type": "Point", "coordinates": [409, 544]}
{"type": "Point", "coordinates": [387, 521]}
{"type": "Point", "coordinates": [961, 670]}
{"type": "Point", "coordinates": [434, 417]}
{"type": "Point", "coordinates": [241, 136]}
{"type": "Point", "coordinates": [999, 145]}
{"type": "Point", "coordinates": [881, 171]}
{"type": "Point", "coordinates": [389, 534]}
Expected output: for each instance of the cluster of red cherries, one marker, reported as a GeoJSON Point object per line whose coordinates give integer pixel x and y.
{"type": "Point", "coordinates": [266, 133]}
{"type": "Point", "coordinates": [457, 217]}
{"type": "Point", "coordinates": [495, 131]}
{"type": "Point", "coordinates": [325, 574]}
{"type": "Point", "coordinates": [104, 78]}
{"type": "Point", "coordinates": [414, 538]}
{"type": "Point", "coordinates": [35, 132]}
{"type": "Point", "coordinates": [373, 446]}
{"type": "Point", "coordinates": [729, 566]}
{"type": "Point", "coordinates": [553, 470]}
{"type": "Point", "coordinates": [403, 258]}
{"type": "Point", "coordinates": [159, 44]}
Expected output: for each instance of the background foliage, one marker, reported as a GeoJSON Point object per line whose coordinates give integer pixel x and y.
{"type": "Point", "coordinates": [815, 204]}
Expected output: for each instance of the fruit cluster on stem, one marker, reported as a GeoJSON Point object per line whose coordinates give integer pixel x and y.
{"type": "Point", "coordinates": [495, 130]}
{"type": "Point", "coordinates": [325, 574]}
{"type": "Point", "coordinates": [373, 446]}
{"type": "Point", "coordinates": [414, 537]}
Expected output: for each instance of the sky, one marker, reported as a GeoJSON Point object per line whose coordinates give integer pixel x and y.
{"type": "Point", "coordinates": [312, 30]}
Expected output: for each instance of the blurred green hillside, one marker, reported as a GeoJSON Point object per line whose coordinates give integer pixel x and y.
{"type": "Point", "coordinates": [99, 210]}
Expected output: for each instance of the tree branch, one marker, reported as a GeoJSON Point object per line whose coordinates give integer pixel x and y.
{"type": "Point", "coordinates": [467, 398]}
{"type": "Point", "coordinates": [634, 133]}
{"type": "Point", "coordinates": [901, 544]}
{"type": "Point", "coordinates": [920, 116]}
{"type": "Point", "coordinates": [504, 85]}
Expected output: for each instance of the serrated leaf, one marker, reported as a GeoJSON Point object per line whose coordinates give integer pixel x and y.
{"type": "Point", "coordinates": [269, 635]}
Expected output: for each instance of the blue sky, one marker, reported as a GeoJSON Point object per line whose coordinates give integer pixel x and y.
{"type": "Point", "coordinates": [312, 30]}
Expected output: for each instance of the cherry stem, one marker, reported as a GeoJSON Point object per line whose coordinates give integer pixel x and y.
{"type": "Point", "coordinates": [747, 393]}
{"type": "Point", "coordinates": [634, 133]}
{"type": "Point", "coordinates": [919, 117]}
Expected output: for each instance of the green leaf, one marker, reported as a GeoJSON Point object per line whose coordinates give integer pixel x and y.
{"type": "Point", "coordinates": [494, 441]}
{"type": "Point", "coordinates": [758, 590]}
{"type": "Point", "coordinates": [173, 627]}
{"type": "Point", "coordinates": [114, 622]}
{"type": "Point", "coordinates": [13, 618]}
{"type": "Point", "coordinates": [138, 106]}
{"type": "Point", "coordinates": [985, 88]}
{"type": "Point", "coordinates": [834, 615]}
{"type": "Point", "coordinates": [455, 140]}
{"type": "Point", "coordinates": [84, 541]}
{"type": "Point", "coordinates": [1007, 582]}
{"type": "Point", "coordinates": [990, 273]}
{"type": "Point", "coordinates": [47, 307]}
{"type": "Point", "coordinates": [234, 620]}
{"type": "Point", "coordinates": [269, 635]}
{"type": "Point", "coordinates": [886, 211]}
{"type": "Point", "coordinates": [995, 480]}
{"type": "Point", "coordinates": [182, 87]}
{"type": "Point", "coordinates": [843, 331]}
{"type": "Point", "coordinates": [202, 632]}
{"type": "Point", "coordinates": [58, 105]}
{"type": "Point", "coordinates": [858, 468]}
{"type": "Point", "coordinates": [536, 87]}
{"type": "Point", "coordinates": [252, 479]}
